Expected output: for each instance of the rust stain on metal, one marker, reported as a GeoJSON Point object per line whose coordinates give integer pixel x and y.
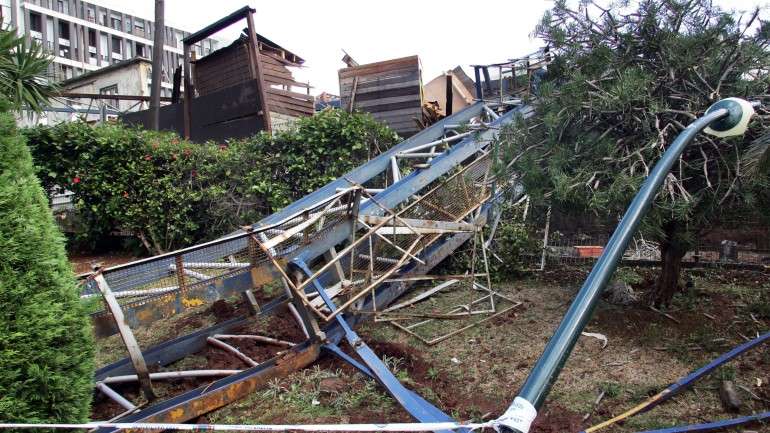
{"type": "Point", "coordinates": [286, 363]}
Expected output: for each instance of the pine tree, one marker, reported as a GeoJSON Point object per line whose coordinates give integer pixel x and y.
{"type": "Point", "coordinates": [46, 347]}
{"type": "Point", "coordinates": [626, 79]}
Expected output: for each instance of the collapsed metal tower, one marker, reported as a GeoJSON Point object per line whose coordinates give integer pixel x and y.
{"type": "Point", "coordinates": [340, 255]}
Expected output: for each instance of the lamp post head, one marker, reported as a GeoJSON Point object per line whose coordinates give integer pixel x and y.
{"type": "Point", "coordinates": [737, 120]}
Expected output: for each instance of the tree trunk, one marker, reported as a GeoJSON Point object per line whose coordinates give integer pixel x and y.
{"type": "Point", "coordinates": [671, 253]}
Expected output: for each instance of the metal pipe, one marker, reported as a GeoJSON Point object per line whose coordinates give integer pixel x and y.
{"type": "Point", "coordinates": [437, 142]}
{"type": "Point", "coordinates": [523, 410]}
{"type": "Point", "coordinates": [114, 396]}
{"type": "Point", "coordinates": [417, 155]}
{"type": "Point", "coordinates": [394, 169]}
{"type": "Point", "coordinates": [171, 375]}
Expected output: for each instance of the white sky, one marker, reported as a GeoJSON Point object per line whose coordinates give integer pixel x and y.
{"type": "Point", "coordinates": [443, 33]}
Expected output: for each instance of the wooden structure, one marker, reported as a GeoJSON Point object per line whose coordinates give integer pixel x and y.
{"type": "Point", "coordinates": [391, 90]}
{"type": "Point", "coordinates": [231, 66]}
{"type": "Point", "coordinates": [453, 90]}
{"type": "Point", "coordinates": [236, 91]}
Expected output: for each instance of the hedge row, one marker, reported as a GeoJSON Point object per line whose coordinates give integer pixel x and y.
{"type": "Point", "coordinates": [169, 192]}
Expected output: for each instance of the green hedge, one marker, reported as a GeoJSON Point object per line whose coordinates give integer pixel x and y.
{"type": "Point", "coordinates": [169, 192]}
{"type": "Point", "coordinates": [46, 348]}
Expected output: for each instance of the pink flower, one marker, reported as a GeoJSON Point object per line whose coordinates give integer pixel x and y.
{"type": "Point", "coordinates": [76, 179]}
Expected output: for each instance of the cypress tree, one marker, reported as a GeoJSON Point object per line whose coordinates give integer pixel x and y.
{"type": "Point", "coordinates": [46, 346]}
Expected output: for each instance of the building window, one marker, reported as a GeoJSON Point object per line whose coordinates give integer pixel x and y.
{"type": "Point", "coordinates": [103, 48]}
{"type": "Point", "coordinates": [139, 26]}
{"type": "Point", "coordinates": [35, 22]}
{"type": "Point", "coordinates": [116, 23]}
{"type": "Point", "coordinates": [129, 54]}
{"type": "Point", "coordinates": [64, 30]}
{"type": "Point", "coordinates": [103, 20]}
{"type": "Point", "coordinates": [5, 13]}
{"type": "Point", "coordinates": [92, 38]}
{"type": "Point", "coordinates": [110, 90]}
{"type": "Point", "coordinates": [64, 39]}
{"type": "Point", "coordinates": [63, 6]}
{"type": "Point", "coordinates": [140, 50]}
{"type": "Point", "coordinates": [91, 14]}
{"type": "Point", "coordinates": [117, 45]}
{"type": "Point", "coordinates": [129, 25]}
{"type": "Point", "coordinates": [49, 34]}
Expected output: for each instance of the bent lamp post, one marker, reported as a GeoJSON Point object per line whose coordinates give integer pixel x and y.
{"type": "Point", "coordinates": [725, 118]}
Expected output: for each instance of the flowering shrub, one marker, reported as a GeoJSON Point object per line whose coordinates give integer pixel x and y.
{"type": "Point", "coordinates": [169, 192]}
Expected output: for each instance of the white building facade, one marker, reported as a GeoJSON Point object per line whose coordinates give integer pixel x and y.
{"type": "Point", "coordinates": [84, 37]}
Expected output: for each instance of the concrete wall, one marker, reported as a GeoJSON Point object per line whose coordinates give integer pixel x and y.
{"type": "Point", "coordinates": [131, 80]}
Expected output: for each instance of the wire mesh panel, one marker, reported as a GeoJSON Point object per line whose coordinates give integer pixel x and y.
{"type": "Point", "coordinates": [187, 277]}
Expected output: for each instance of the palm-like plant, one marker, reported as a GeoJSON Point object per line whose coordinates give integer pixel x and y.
{"type": "Point", "coordinates": [24, 79]}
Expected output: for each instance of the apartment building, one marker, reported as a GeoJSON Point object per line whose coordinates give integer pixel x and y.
{"type": "Point", "coordinates": [84, 37]}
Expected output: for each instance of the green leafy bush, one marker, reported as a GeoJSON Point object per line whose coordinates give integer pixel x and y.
{"type": "Point", "coordinates": [46, 348]}
{"type": "Point", "coordinates": [169, 192]}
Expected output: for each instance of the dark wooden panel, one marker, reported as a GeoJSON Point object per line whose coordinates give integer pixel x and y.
{"type": "Point", "coordinates": [238, 128]}
{"type": "Point", "coordinates": [227, 113]}
{"type": "Point", "coordinates": [171, 118]}
{"type": "Point", "coordinates": [233, 102]}
{"type": "Point", "coordinates": [393, 106]}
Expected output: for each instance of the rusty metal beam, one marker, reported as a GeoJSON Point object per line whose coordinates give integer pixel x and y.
{"type": "Point", "coordinates": [205, 399]}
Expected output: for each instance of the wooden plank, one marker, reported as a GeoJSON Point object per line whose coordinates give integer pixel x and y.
{"type": "Point", "coordinates": [398, 118]}
{"type": "Point", "coordinates": [405, 112]}
{"type": "Point", "coordinates": [365, 105]}
{"type": "Point", "coordinates": [277, 108]}
{"type": "Point", "coordinates": [405, 126]}
{"type": "Point", "coordinates": [389, 75]}
{"type": "Point", "coordinates": [285, 82]}
{"type": "Point", "coordinates": [379, 66]}
{"type": "Point", "coordinates": [291, 110]}
{"type": "Point", "coordinates": [390, 85]}
{"type": "Point", "coordinates": [277, 69]}
{"type": "Point", "coordinates": [374, 81]}
{"type": "Point", "coordinates": [291, 103]}
{"type": "Point", "coordinates": [295, 95]}
{"type": "Point", "coordinates": [255, 55]}
{"type": "Point", "coordinates": [301, 102]}
{"type": "Point", "coordinates": [412, 91]}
